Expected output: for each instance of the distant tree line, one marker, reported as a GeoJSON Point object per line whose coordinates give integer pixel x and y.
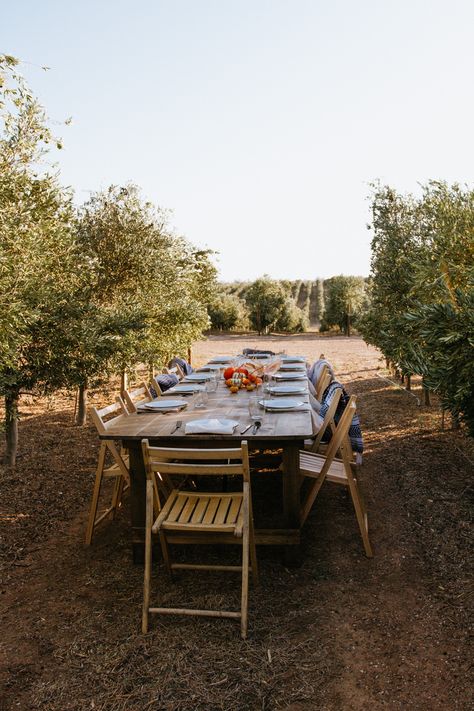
{"type": "Point", "coordinates": [291, 306]}
{"type": "Point", "coordinates": [421, 312]}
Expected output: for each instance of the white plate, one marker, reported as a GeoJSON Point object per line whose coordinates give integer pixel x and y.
{"type": "Point", "coordinates": [184, 389]}
{"type": "Point", "coordinates": [258, 356]}
{"type": "Point", "coordinates": [165, 404]}
{"type": "Point", "coordinates": [281, 403]}
{"type": "Point", "coordinates": [290, 376]}
{"type": "Point", "coordinates": [292, 366]}
{"type": "Point", "coordinates": [222, 359]}
{"type": "Point", "coordinates": [209, 366]}
{"type": "Point", "coordinates": [293, 359]}
{"type": "Point", "coordinates": [287, 390]}
{"type": "Point", "coordinates": [198, 377]}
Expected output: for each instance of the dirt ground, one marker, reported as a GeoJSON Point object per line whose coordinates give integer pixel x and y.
{"type": "Point", "coordinates": [339, 632]}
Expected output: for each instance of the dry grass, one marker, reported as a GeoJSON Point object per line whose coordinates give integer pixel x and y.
{"type": "Point", "coordinates": [339, 632]}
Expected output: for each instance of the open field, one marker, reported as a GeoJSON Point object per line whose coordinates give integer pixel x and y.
{"type": "Point", "coordinates": [340, 632]}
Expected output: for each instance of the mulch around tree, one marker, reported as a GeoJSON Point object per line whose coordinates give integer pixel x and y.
{"type": "Point", "coordinates": [339, 632]}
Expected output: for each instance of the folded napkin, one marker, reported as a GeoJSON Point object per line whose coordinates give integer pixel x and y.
{"type": "Point", "coordinates": [210, 426]}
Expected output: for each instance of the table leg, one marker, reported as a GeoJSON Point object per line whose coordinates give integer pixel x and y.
{"type": "Point", "coordinates": [137, 500]}
{"type": "Point", "coordinates": [291, 496]}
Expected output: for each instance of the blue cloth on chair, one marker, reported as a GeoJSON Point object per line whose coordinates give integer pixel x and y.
{"type": "Point", "coordinates": [355, 433]}
{"type": "Point", "coordinates": [251, 351]}
{"type": "Point", "coordinates": [165, 381]}
{"type": "Point", "coordinates": [183, 364]}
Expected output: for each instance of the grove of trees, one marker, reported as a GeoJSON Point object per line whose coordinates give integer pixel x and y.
{"type": "Point", "coordinates": [421, 313]}
{"type": "Point", "coordinates": [87, 292]}
{"type": "Point", "coordinates": [291, 306]}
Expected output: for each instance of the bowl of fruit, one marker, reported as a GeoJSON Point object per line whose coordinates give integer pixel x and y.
{"type": "Point", "coordinates": [241, 379]}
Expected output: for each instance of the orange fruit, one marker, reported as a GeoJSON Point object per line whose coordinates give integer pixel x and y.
{"type": "Point", "coordinates": [234, 389]}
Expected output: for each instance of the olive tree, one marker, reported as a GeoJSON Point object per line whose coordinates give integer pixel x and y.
{"type": "Point", "coordinates": [36, 245]}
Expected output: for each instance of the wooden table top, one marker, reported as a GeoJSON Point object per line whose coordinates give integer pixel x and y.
{"type": "Point", "coordinates": [281, 426]}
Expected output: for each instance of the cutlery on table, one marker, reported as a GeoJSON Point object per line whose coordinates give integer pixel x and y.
{"type": "Point", "coordinates": [177, 426]}
{"type": "Point", "coordinates": [256, 427]}
{"type": "Point", "coordinates": [247, 428]}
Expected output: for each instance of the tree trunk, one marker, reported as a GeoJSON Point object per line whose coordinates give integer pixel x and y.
{"type": "Point", "coordinates": [11, 427]}
{"type": "Point", "coordinates": [123, 382]}
{"type": "Point", "coordinates": [190, 355]}
{"type": "Point", "coordinates": [408, 386]}
{"type": "Point", "coordinates": [151, 371]}
{"type": "Point", "coordinates": [81, 414]}
{"type": "Point", "coordinates": [426, 395]}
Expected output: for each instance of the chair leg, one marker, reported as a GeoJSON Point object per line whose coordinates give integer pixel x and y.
{"type": "Point", "coordinates": [245, 574]}
{"type": "Point", "coordinates": [253, 549]}
{"type": "Point", "coordinates": [117, 495]}
{"type": "Point", "coordinates": [95, 494]}
{"type": "Point", "coordinates": [361, 517]}
{"type": "Point", "coordinates": [148, 553]}
{"type": "Point", "coordinates": [165, 551]}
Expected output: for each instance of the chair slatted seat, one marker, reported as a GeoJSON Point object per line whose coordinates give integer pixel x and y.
{"type": "Point", "coordinates": [326, 467]}
{"type": "Point", "coordinates": [192, 514]}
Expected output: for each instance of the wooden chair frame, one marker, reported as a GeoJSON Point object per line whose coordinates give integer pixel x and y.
{"type": "Point", "coordinates": [176, 369]}
{"type": "Point", "coordinates": [338, 471]}
{"type": "Point", "coordinates": [138, 396]}
{"type": "Point", "coordinates": [323, 381]}
{"type": "Point", "coordinates": [327, 422]}
{"type": "Point", "coordinates": [183, 518]}
{"type": "Point", "coordinates": [118, 470]}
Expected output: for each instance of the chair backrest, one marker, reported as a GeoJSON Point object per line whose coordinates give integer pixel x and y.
{"type": "Point", "coordinates": [138, 396]}
{"type": "Point", "coordinates": [324, 379]}
{"type": "Point", "coordinates": [328, 419]}
{"type": "Point", "coordinates": [168, 461]}
{"type": "Point", "coordinates": [176, 370]}
{"type": "Point", "coordinates": [339, 438]}
{"type": "Point", "coordinates": [99, 416]}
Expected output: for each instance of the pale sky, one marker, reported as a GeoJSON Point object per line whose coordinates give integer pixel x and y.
{"type": "Point", "coordinates": [260, 123]}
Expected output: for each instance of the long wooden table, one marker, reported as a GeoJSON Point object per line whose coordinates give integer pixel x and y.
{"type": "Point", "coordinates": [286, 430]}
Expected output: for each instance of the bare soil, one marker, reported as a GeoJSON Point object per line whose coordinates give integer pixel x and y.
{"type": "Point", "coordinates": [339, 632]}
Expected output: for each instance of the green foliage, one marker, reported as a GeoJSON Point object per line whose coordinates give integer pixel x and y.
{"type": "Point", "coordinates": [36, 242]}
{"type": "Point", "coordinates": [271, 307]}
{"type": "Point", "coordinates": [444, 350]}
{"type": "Point", "coordinates": [292, 319]}
{"type": "Point", "coordinates": [82, 296]}
{"type": "Point", "coordinates": [228, 312]}
{"type": "Point", "coordinates": [150, 285]}
{"type": "Point", "coordinates": [345, 301]}
{"type": "Point", "coordinates": [421, 288]}
{"type": "Point", "coordinates": [266, 301]}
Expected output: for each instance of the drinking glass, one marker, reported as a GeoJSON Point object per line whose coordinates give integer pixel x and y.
{"type": "Point", "coordinates": [200, 400]}
{"type": "Point", "coordinates": [254, 408]}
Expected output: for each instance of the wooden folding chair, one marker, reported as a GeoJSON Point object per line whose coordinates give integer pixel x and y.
{"type": "Point", "coordinates": [176, 369]}
{"type": "Point", "coordinates": [328, 421]}
{"type": "Point", "coordinates": [321, 467]}
{"type": "Point", "coordinates": [118, 470]}
{"type": "Point", "coordinates": [196, 517]}
{"type": "Point", "coordinates": [138, 396]}
{"type": "Point", "coordinates": [323, 381]}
